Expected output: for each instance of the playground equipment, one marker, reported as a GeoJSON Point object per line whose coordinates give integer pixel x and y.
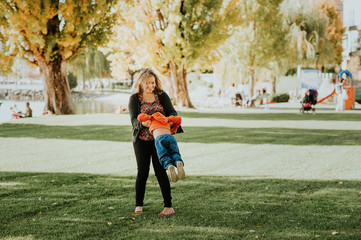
{"type": "Point", "coordinates": [350, 101]}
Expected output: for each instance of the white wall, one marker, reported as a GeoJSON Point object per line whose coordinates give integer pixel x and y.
{"type": "Point", "coordinates": [352, 13]}
{"type": "Point", "coordinates": [351, 17]}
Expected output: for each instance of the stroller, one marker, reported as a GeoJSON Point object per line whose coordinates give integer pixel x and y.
{"type": "Point", "coordinates": [309, 99]}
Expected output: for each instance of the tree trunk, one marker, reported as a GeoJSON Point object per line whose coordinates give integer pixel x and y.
{"type": "Point", "coordinates": [252, 80]}
{"type": "Point", "coordinates": [57, 91]}
{"type": "Point", "coordinates": [179, 83]}
{"type": "Point", "coordinates": [83, 79]}
{"type": "Point", "coordinates": [274, 85]}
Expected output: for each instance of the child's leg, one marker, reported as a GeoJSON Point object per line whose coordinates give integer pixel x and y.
{"type": "Point", "coordinates": [161, 144]}
{"type": "Point", "coordinates": [162, 152]}
{"type": "Point", "coordinates": [174, 150]}
{"type": "Point", "coordinates": [176, 157]}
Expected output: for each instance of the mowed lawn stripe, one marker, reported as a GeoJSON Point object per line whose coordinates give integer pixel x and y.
{"type": "Point", "coordinates": [348, 116]}
{"type": "Point", "coordinates": [287, 136]}
{"type": "Point", "coordinates": [221, 159]}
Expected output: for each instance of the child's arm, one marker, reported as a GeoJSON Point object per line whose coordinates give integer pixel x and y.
{"type": "Point", "coordinates": [176, 120]}
{"type": "Point", "coordinates": [160, 118]}
{"type": "Point", "coordinates": [143, 117]}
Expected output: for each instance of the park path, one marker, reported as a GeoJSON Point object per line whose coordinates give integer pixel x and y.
{"type": "Point", "coordinates": [238, 160]}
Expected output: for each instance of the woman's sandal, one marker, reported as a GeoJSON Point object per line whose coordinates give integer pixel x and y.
{"type": "Point", "coordinates": [138, 211]}
{"type": "Point", "coordinates": [170, 213]}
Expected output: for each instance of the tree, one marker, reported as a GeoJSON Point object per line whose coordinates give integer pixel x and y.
{"type": "Point", "coordinates": [177, 36]}
{"type": "Point", "coordinates": [334, 30]}
{"type": "Point", "coordinates": [7, 54]}
{"type": "Point", "coordinates": [89, 63]}
{"type": "Point", "coordinates": [48, 33]}
{"type": "Point", "coordinates": [261, 40]}
{"type": "Point", "coordinates": [315, 33]}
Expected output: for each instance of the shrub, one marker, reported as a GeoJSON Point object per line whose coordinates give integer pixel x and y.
{"type": "Point", "coordinates": [281, 98]}
{"type": "Point", "coordinates": [291, 72]}
{"type": "Point", "coordinates": [72, 79]}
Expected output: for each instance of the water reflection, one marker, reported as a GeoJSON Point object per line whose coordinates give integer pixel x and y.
{"type": "Point", "coordinates": [90, 106]}
{"type": "Point", "coordinates": [93, 106]}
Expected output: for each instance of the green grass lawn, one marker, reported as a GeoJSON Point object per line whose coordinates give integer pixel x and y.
{"type": "Point", "coordinates": [84, 206]}
{"type": "Point", "coordinates": [192, 134]}
{"type": "Point", "coordinates": [349, 116]}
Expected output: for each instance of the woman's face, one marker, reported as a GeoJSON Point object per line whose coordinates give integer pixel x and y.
{"type": "Point", "coordinates": [148, 85]}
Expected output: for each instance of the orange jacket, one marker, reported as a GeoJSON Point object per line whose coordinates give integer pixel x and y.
{"type": "Point", "coordinates": [158, 120]}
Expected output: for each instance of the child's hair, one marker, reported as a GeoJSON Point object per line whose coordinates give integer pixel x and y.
{"type": "Point", "coordinates": [143, 76]}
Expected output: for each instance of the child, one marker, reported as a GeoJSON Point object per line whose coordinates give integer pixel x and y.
{"type": "Point", "coordinates": [165, 143]}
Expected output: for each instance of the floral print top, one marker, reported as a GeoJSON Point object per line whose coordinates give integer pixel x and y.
{"type": "Point", "coordinates": [149, 108]}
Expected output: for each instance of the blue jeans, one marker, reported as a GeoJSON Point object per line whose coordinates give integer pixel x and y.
{"type": "Point", "coordinates": [167, 150]}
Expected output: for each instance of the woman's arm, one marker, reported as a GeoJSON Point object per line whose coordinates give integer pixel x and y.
{"type": "Point", "coordinates": [134, 112]}
{"type": "Point", "coordinates": [167, 105]}
{"type": "Point", "coordinates": [169, 109]}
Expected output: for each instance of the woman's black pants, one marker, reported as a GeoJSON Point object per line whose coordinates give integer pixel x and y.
{"type": "Point", "coordinates": [144, 151]}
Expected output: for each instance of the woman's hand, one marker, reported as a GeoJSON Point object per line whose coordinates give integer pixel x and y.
{"type": "Point", "coordinates": [146, 123]}
{"type": "Point", "coordinates": [171, 124]}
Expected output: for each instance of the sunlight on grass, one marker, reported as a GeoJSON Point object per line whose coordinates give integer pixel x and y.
{"type": "Point", "coordinates": [82, 220]}
{"type": "Point", "coordinates": [190, 229]}
{"type": "Point", "coordinates": [9, 184]}
{"type": "Point", "coordinates": [18, 238]}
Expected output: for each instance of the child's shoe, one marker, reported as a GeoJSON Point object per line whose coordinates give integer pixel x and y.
{"type": "Point", "coordinates": [172, 174]}
{"type": "Point", "coordinates": [180, 169]}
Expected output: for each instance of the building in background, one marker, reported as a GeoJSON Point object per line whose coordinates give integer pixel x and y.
{"type": "Point", "coordinates": [351, 43]}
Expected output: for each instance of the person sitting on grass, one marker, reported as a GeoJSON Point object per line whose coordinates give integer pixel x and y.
{"type": "Point", "coordinates": [165, 143]}
{"type": "Point", "coordinates": [15, 113]}
{"type": "Point", "coordinates": [29, 111]}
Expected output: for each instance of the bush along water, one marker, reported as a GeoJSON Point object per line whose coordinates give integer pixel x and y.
{"type": "Point", "coordinates": [281, 98]}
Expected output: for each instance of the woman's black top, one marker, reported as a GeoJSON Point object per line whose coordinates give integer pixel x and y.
{"type": "Point", "coordinates": [134, 111]}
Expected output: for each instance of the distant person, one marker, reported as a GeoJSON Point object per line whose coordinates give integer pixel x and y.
{"type": "Point", "coordinates": [15, 108]}
{"type": "Point", "coordinates": [120, 109]}
{"type": "Point", "coordinates": [29, 112]}
{"type": "Point", "coordinates": [265, 99]}
{"type": "Point", "coordinates": [15, 113]}
{"type": "Point", "coordinates": [339, 89]}
{"type": "Point", "coordinates": [165, 142]}
{"type": "Point", "coordinates": [47, 113]}
{"type": "Point", "coordinates": [231, 93]}
{"type": "Point", "coordinates": [241, 90]}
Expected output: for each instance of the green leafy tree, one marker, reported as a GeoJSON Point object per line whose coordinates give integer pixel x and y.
{"type": "Point", "coordinates": [334, 31]}
{"type": "Point", "coordinates": [7, 53]}
{"type": "Point", "coordinates": [315, 33]}
{"type": "Point", "coordinates": [261, 42]}
{"type": "Point", "coordinates": [48, 33]}
{"type": "Point", "coordinates": [177, 36]}
{"type": "Point", "coordinates": [88, 64]}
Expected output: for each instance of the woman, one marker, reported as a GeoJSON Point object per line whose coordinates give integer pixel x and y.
{"type": "Point", "coordinates": [340, 101]}
{"type": "Point", "coordinates": [149, 98]}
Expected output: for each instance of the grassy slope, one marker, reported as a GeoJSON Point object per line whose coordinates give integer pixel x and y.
{"type": "Point", "coordinates": [82, 206]}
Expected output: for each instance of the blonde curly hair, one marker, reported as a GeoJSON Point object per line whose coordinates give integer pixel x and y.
{"type": "Point", "coordinates": [145, 74]}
